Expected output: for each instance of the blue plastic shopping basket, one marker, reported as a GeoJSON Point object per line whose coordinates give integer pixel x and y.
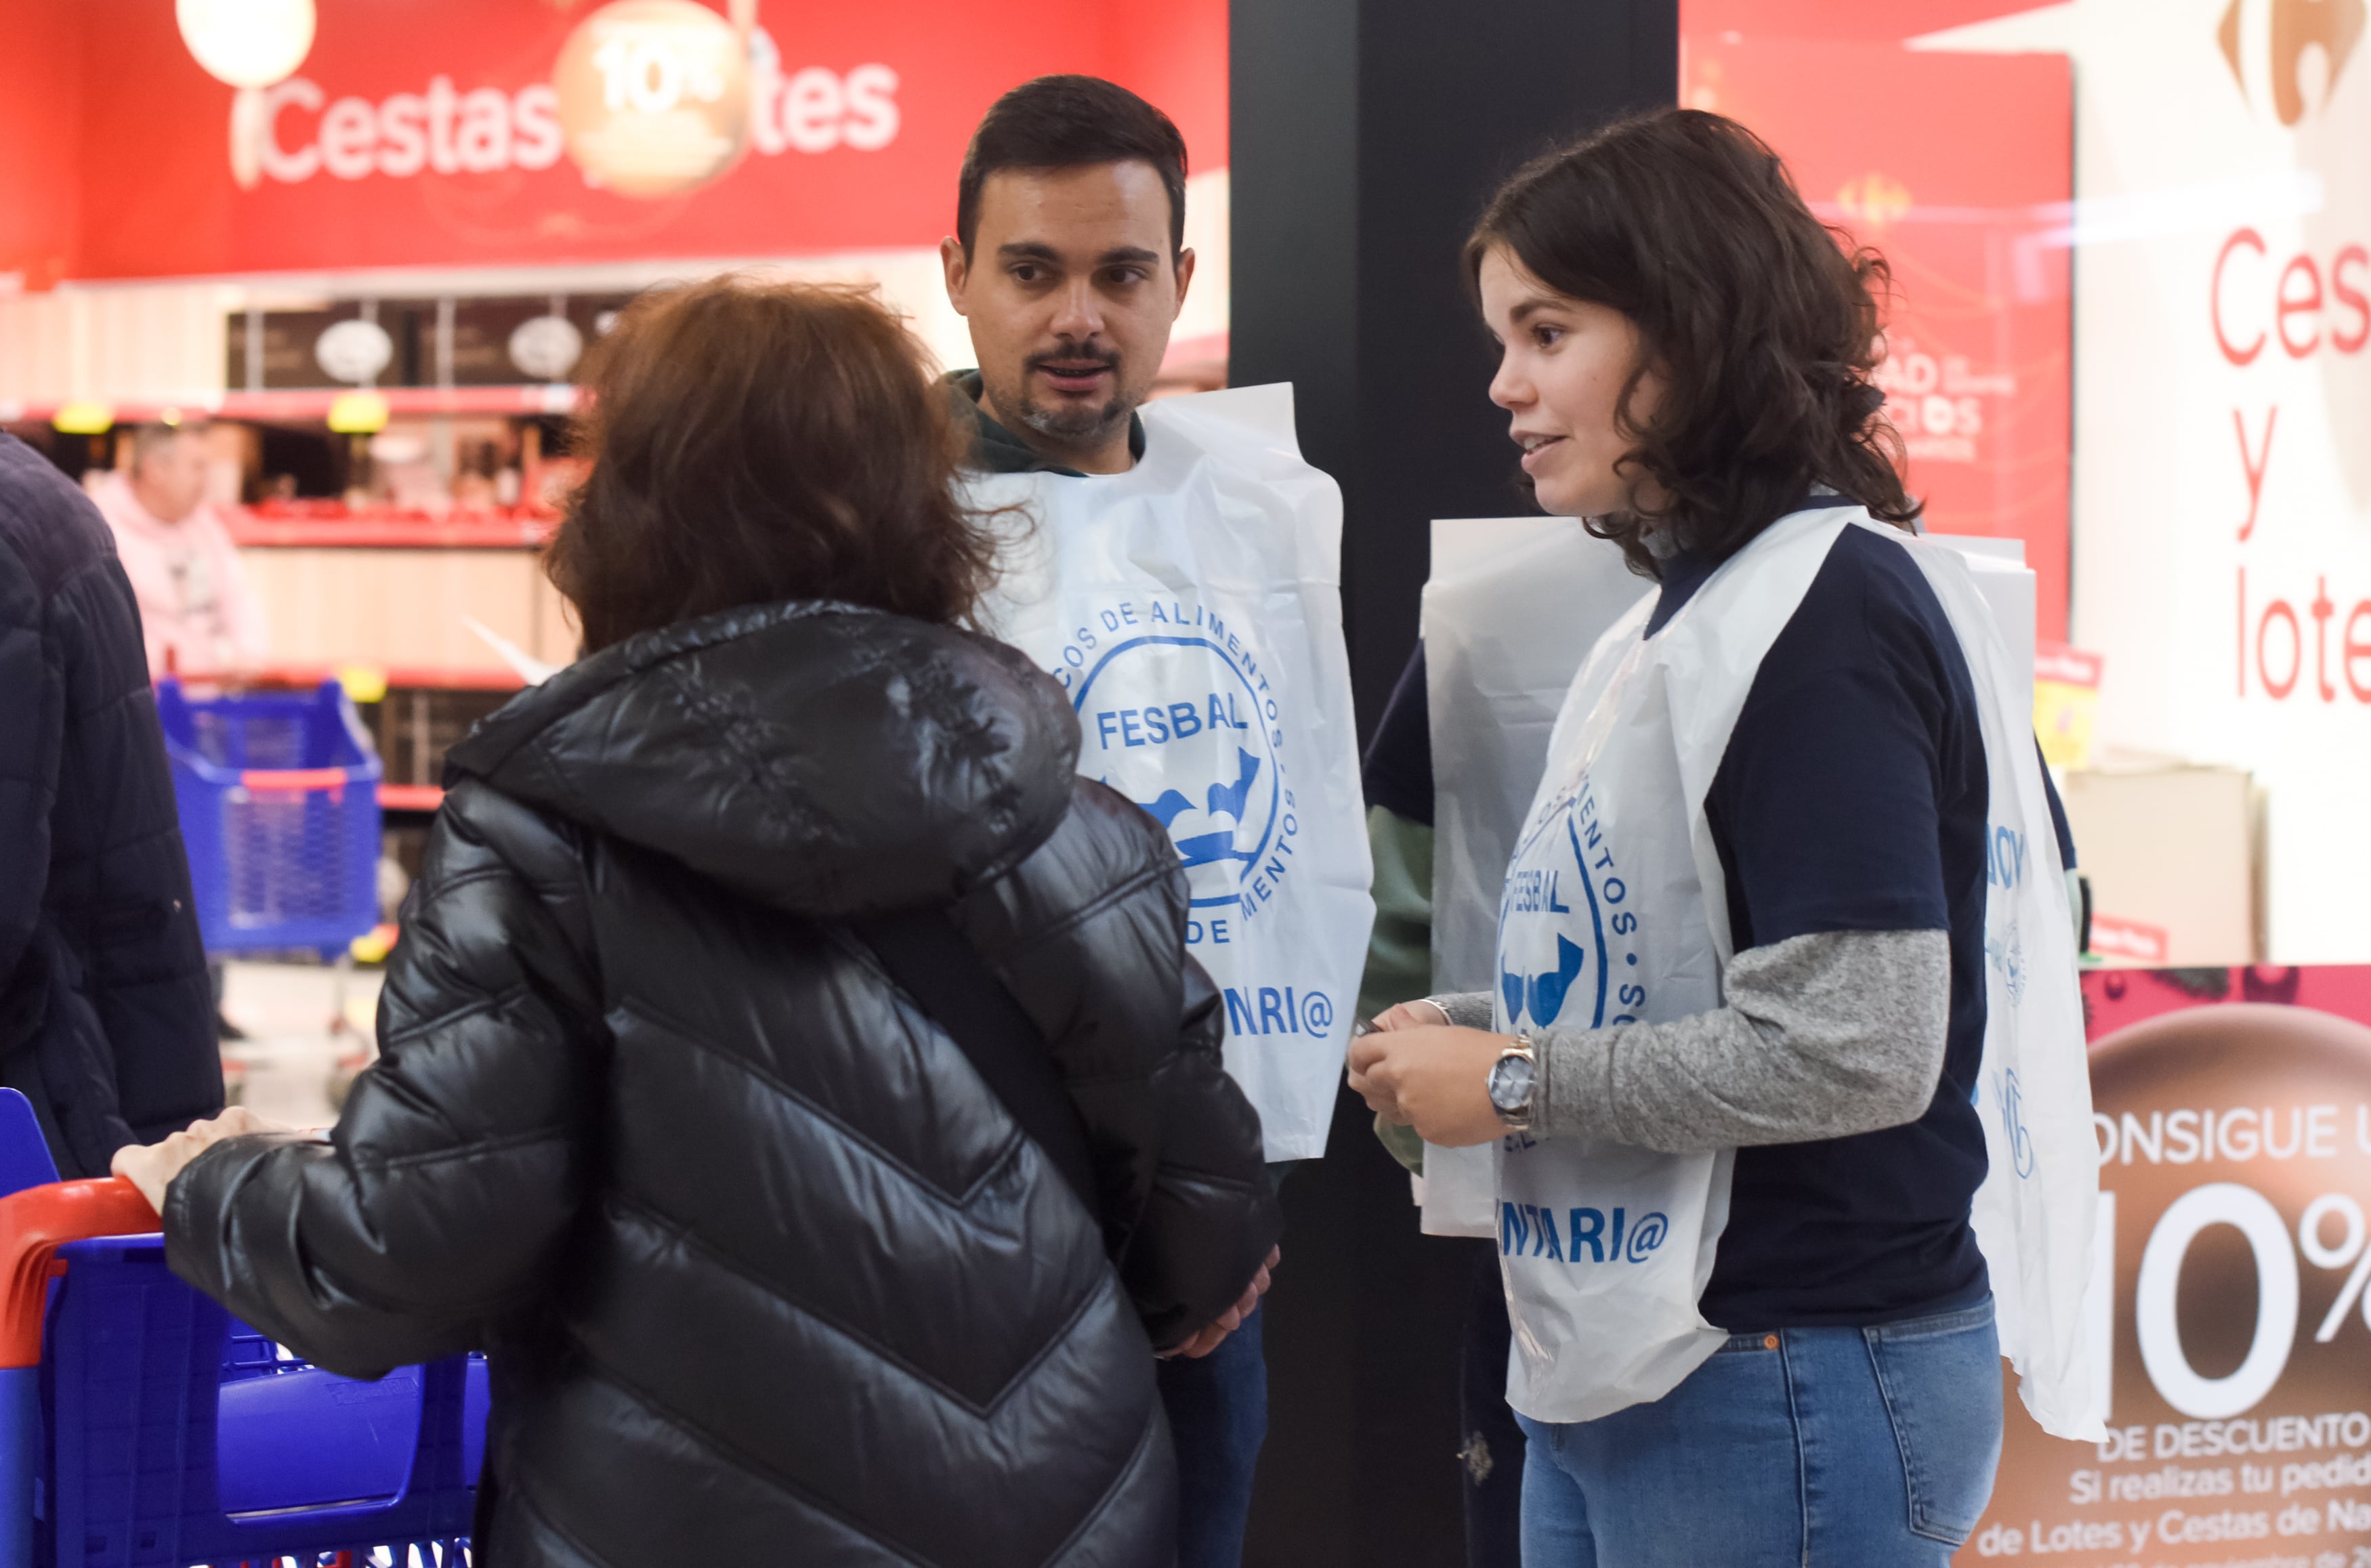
{"type": "Point", "coordinates": [279, 800]}
{"type": "Point", "coordinates": [141, 1426]}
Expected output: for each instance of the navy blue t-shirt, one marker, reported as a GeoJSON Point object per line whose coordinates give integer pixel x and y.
{"type": "Point", "coordinates": [1852, 798]}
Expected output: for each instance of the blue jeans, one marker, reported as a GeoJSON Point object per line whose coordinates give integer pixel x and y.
{"type": "Point", "coordinates": [1218, 1418]}
{"type": "Point", "coordinates": [1824, 1447]}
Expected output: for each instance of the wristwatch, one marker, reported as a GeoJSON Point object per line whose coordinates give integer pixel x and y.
{"type": "Point", "coordinates": [1513, 1078]}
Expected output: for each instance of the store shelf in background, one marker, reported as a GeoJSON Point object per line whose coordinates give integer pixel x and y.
{"type": "Point", "coordinates": [410, 797]}
{"type": "Point", "coordinates": [409, 608]}
{"type": "Point", "coordinates": [398, 677]}
{"type": "Point", "coordinates": [313, 403]}
{"type": "Point", "coordinates": [338, 529]}
{"type": "Point", "coordinates": [415, 726]}
{"type": "Point", "coordinates": [305, 405]}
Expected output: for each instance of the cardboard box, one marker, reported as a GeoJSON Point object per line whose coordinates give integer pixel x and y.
{"type": "Point", "coordinates": [2172, 853]}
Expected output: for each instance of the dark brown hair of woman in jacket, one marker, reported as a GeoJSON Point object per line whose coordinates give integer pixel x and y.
{"type": "Point", "coordinates": [756, 442]}
{"type": "Point", "coordinates": [1759, 322]}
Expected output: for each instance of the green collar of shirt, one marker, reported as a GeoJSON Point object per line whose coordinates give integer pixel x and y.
{"type": "Point", "coordinates": [998, 451]}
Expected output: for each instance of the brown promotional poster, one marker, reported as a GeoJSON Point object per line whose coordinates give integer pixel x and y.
{"type": "Point", "coordinates": [2233, 1111]}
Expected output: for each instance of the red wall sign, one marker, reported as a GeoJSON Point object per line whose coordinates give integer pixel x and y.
{"type": "Point", "coordinates": [429, 132]}
{"type": "Point", "coordinates": [1883, 142]}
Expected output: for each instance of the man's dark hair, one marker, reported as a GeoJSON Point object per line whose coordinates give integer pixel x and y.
{"type": "Point", "coordinates": [1761, 322]}
{"type": "Point", "coordinates": [1070, 123]}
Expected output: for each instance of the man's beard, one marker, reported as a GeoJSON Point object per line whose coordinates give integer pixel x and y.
{"type": "Point", "coordinates": [1065, 422]}
{"type": "Point", "coordinates": [1073, 425]}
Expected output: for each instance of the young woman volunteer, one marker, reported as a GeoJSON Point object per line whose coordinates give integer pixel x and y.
{"type": "Point", "coordinates": [1743, 998]}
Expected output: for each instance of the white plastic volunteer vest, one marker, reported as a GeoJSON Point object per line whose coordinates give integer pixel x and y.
{"type": "Point", "coordinates": [1510, 611]}
{"type": "Point", "coordinates": [1191, 607]}
{"type": "Point", "coordinates": [1614, 911]}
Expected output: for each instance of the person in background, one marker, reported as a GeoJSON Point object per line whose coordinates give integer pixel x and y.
{"type": "Point", "coordinates": [1399, 778]}
{"type": "Point", "coordinates": [1070, 267]}
{"type": "Point", "coordinates": [201, 616]}
{"type": "Point", "coordinates": [768, 1272]}
{"type": "Point", "coordinates": [104, 1022]}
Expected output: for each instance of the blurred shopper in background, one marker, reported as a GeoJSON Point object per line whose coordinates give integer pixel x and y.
{"type": "Point", "coordinates": [768, 1272]}
{"type": "Point", "coordinates": [104, 1020]}
{"type": "Point", "coordinates": [1685, 360]}
{"type": "Point", "coordinates": [1069, 266]}
{"type": "Point", "coordinates": [201, 616]}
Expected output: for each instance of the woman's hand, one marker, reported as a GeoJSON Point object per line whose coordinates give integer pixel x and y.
{"type": "Point", "coordinates": [1228, 1322]}
{"type": "Point", "coordinates": [152, 1166]}
{"type": "Point", "coordinates": [1421, 1014]}
{"type": "Point", "coordinates": [1426, 1074]}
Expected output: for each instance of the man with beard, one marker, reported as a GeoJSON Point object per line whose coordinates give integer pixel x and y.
{"type": "Point", "coordinates": [1080, 188]}
{"type": "Point", "coordinates": [1200, 642]}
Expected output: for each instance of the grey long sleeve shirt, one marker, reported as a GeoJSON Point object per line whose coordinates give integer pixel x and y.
{"type": "Point", "coordinates": [1821, 1036]}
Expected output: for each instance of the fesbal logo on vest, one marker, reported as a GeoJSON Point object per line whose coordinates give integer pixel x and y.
{"type": "Point", "coordinates": [1567, 925]}
{"type": "Point", "coordinates": [648, 99]}
{"type": "Point", "coordinates": [1176, 713]}
{"type": "Point", "coordinates": [1568, 953]}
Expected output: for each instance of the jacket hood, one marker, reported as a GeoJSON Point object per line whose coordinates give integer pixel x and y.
{"type": "Point", "coordinates": [831, 761]}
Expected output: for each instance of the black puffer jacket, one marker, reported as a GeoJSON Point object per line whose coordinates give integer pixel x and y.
{"type": "Point", "coordinates": [106, 1022]}
{"type": "Point", "coordinates": [770, 1276]}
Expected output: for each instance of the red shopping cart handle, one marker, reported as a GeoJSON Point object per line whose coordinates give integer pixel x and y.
{"type": "Point", "coordinates": [33, 1225]}
{"type": "Point", "coordinates": [294, 778]}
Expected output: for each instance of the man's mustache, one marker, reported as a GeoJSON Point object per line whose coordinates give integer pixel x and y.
{"type": "Point", "coordinates": [1103, 357]}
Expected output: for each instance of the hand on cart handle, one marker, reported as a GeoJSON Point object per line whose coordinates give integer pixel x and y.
{"type": "Point", "coordinates": [152, 1166]}
{"type": "Point", "coordinates": [33, 1224]}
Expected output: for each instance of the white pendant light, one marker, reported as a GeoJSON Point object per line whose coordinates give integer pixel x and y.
{"type": "Point", "coordinates": [248, 43]}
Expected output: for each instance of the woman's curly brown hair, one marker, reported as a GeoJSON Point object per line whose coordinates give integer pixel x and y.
{"type": "Point", "coordinates": [758, 442]}
{"type": "Point", "coordinates": [1762, 328]}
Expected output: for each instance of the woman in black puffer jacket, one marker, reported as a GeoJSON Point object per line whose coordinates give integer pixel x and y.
{"type": "Point", "coordinates": [767, 1271]}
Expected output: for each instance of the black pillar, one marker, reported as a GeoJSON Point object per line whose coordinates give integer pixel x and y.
{"type": "Point", "coordinates": [1365, 136]}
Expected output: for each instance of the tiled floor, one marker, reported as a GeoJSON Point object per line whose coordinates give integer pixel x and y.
{"type": "Point", "coordinates": [284, 1068]}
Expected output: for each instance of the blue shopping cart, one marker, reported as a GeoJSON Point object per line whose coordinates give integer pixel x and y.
{"type": "Point", "coordinates": [279, 800]}
{"type": "Point", "coordinates": [141, 1426]}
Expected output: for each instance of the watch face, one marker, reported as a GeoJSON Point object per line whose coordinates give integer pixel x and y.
{"type": "Point", "coordinates": [1511, 1084]}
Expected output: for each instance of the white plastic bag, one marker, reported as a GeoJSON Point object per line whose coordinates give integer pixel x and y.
{"type": "Point", "coordinates": [1512, 607]}
{"type": "Point", "coordinates": [1607, 1248]}
{"type": "Point", "coordinates": [2035, 1213]}
{"type": "Point", "coordinates": [1191, 609]}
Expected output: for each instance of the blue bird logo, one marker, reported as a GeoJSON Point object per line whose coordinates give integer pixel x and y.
{"type": "Point", "coordinates": [1165, 810]}
{"type": "Point", "coordinates": [1544, 994]}
{"type": "Point", "coordinates": [1229, 800]}
{"type": "Point", "coordinates": [1221, 800]}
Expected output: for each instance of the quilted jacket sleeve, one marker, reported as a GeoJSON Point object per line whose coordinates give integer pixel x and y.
{"type": "Point", "coordinates": [443, 1197]}
{"type": "Point", "coordinates": [120, 894]}
{"type": "Point", "coordinates": [30, 720]}
{"type": "Point", "coordinates": [1212, 1214]}
{"type": "Point", "coordinates": [1089, 932]}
